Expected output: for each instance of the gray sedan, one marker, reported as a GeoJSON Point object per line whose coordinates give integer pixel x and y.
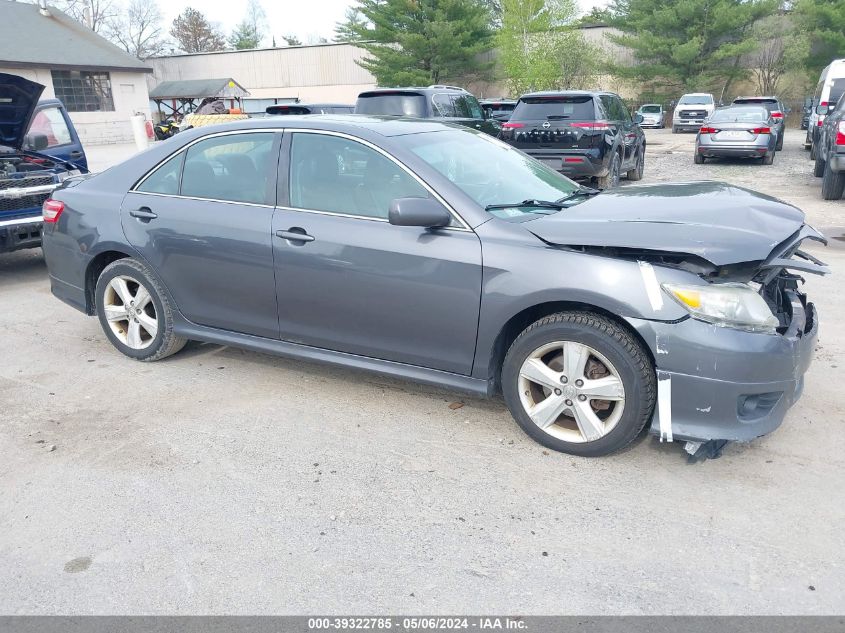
{"type": "Point", "coordinates": [442, 255]}
{"type": "Point", "coordinates": [738, 132]}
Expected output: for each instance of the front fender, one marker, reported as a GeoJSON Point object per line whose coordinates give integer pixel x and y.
{"type": "Point", "coordinates": [521, 273]}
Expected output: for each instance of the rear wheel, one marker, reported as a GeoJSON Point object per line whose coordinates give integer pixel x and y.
{"type": "Point", "coordinates": [698, 157]}
{"type": "Point", "coordinates": [637, 172]}
{"type": "Point", "coordinates": [818, 166]}
{"type": "Point", "coordinates": [813, 152]}
{"type": "Point", "coordinates": [611, 179]}
{"type": "Point", "coordinates": [579, 383]}
{"type": "Point", "coordinates": [779, 145]}
{"type": "Point", "coordinates": [135, 313]}
{"type": "Point", "coordinates": [769, 158]}
{"type": "Point", "coordinates": [833, 183]}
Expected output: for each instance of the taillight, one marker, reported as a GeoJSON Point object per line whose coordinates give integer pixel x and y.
{"type": "Point", "coordinates": [824, 103]}
{"type": "Point", "coordinates": [51, 210]}
{"type": "Point", "coordinates": [512, 126]}
{"type": "Point", "coordinates": [840, 133]}
{"type": "Point", "coordinates": [761, 130]}
{"type": "Point", "coordinates": [708, 130]}
{"type": "Point", "coordinates": [820, 122]}
{"type": "Point", "coordinates": [591, 125]}
{"type": "Point", "coordinates": [777, 114]}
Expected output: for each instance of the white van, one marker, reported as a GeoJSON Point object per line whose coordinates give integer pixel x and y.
{"type": "Point", "coordinates": [830, 87]}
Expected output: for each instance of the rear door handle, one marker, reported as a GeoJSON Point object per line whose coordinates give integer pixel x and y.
{"type": "Point", "coordinates": [295, 235]}
{"type": "Point", "coordinates": [143, 214]}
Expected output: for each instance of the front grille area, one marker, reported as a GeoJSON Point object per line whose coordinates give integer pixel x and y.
{"type": "Point", "coordinates": [693, 114]}
{"type": "Point", "coordinates": [25, 202]}
{"type": "Point", "coordinates": [26, 181]}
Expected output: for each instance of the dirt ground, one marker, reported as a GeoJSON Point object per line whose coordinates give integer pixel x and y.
{"type": "Point", "coordinates": [224, 481]}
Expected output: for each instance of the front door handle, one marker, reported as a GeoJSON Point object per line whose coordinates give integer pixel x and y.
{"type": "Point", "coordinates": [76, 154]}
{"type": "Point", "coordinates": [144, 213]}
{"type": "Point", "coordinates": [295, 234]}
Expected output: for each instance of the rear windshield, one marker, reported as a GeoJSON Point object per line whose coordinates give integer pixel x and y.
{"type": "Point", "coordinates": [769, 104]}
{"type": "Point", "coordinates": [696, 100]}
{"type": "Point", "coordinates": [288, 109]}
{"type": "Point", "coordinates": [392, 103]}
{"type": "Point", "coordinates": [499, 107]}
{"type": "Point", "coordinates": [550, 108]}
{"type": "Point", "coordinates": [739, 115]}
{"type": "Point", "coordinates": [650, 109]}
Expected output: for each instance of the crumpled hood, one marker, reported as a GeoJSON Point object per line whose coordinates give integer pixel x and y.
{"type": "Point", "coordinates": [721, 223]}
{"type": "Point", "coordinates": [18, 98]}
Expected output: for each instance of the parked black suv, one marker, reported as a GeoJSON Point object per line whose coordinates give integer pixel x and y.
{"type": "Point", "coordinates": [309, 108]}
{"type": "Point", "coordinates": [499, 109]}
{"type": "Point", "coordinates": [449, 104]}
{"type": "Point", "coordinates": [830, 151]}
{"type": "Point", "coordinates": [580, 134]}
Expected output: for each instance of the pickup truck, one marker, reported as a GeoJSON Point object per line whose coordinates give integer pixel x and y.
{"type": "Point", "coordinates": [39, 149]}
{"type": "Point", "coordinates": [692, 110]}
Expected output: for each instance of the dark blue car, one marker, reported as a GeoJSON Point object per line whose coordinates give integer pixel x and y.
{"type": "Point", "coordinates": [39, 149]}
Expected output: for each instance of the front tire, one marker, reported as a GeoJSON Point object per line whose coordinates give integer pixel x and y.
{"type": "Point", "coordinates": [135, 312]}
{"type": "Point", "coordinates": [579, 383]}
{"type": "Point", "coordinates": [637, 172]}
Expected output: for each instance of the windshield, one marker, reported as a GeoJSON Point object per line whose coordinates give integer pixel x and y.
{"type": "Point", "coordinates": [650, 109]}
{"type": "Point", "coordinates": [491, 172]}
{"type": "Point", "coordinates": [391, 103]}
{"type": "Point", "coordinates": [739, 115]}
{"type": "Point", "coordinates": [696, 100]}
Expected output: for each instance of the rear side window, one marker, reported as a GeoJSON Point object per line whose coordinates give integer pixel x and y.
{"type": "Point", "coordinates": [579, 108]}
{"type": "Point", "coordinates": [444, 106]}
{"type": "Point", "coordinates": [165, 179]}
{"type": "Point", "coordinates": [233, 167]}
{"type": "Point", "coordinates": [392, 104]}
{"type": "Point", "coordinates": [837, 89]}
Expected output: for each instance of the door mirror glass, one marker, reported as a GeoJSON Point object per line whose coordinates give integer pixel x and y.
{"type": "Point", "coordinates": [36, 142]}
{"type": "Point", "coordinates": [424, 212]}
{"type": "Point", "coordinates": [822, 109]}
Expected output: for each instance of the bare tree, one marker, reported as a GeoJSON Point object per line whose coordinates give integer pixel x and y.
{"type": "Point", "coordinates": [780, 47]}
{"type": "Point", "coordinates": [100, 11]}
{"type": "Point", "coordinates": [138, 30]}
{"type": "Point", "coordinates": [195, 34]}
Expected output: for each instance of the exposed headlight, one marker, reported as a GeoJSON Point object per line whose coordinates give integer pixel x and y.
{"type": "Point", "coordinates": [736, 306]}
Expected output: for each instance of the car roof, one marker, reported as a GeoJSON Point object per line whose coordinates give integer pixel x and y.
{"type": "Point", "coordinates": [354, 124]}
{"type": "Point", "coordinates": [412, 89]}
{"type": "Point", "coordinates": [770, 97]}
{"type": "Point", "coordinates": [651, 104]}
{"type": "Point", "coordinates": [743, 108]}
{"type": "Point", "coordinates": [567, 93]}
{"type": "Point", "coordinates": [696, 94]}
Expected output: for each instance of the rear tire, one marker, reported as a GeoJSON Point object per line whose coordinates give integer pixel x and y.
{"type": "Point", "coordinates": [818, 166]}
{"type": "Point", "coordinates": [813, 152]}
{"type": "Point", "coordinates": [833, 183]}
{"type": "Point", "coordinates": [698, 158]}
{"type": "Point", "coordinates": [549, 360]}
{"type": "Point", "coordinates": [779, 145]}
{"type": "Point", "coordinates": [135, 312]}
{"type": "Point", "coordinates": [611, 179]}
{"type": "Point", "coordinates": [769, 158]}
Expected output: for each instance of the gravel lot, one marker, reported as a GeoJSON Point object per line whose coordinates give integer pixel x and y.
{"type": "Point", "coordinates": [223, 481]}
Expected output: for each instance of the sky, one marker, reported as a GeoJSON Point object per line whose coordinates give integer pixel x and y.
{"type": "Point", "coordinates": [306, 19]}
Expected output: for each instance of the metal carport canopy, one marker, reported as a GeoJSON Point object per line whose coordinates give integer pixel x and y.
{"type": "Point", "coordinates": [225, 88]}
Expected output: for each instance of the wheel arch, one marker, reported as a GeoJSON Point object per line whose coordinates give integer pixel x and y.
{"type": "Point", "coordinates": [525, 317]}
{"type": "Point", "coordinates": [93, 271]}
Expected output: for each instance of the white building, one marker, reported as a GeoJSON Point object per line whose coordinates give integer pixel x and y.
{"type": "Point", "coordinates": [101, 85]}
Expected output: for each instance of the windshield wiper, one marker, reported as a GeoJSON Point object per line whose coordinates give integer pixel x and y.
{"type": "Point", "coordinates": [533, 204]}
{"type": "Point", "coordinates": [580, 191]}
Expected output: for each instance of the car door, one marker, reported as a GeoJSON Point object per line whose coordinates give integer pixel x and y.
{"type": "Point", "coordinates": [355, 283]}
{"type": "Point", "coordinates": [202, 220]}
{"type": "Point", "coordinates": [62, 140]}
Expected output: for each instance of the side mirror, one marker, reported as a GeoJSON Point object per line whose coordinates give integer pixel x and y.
{"type": "Point", "coordinates": [638, 118]}
{"type": "Point", "coordinates": [424, 212]}
{"type": "Point", "coordinates": [36, 142]}
{"type": "Point", "coordinates": [822, 109]}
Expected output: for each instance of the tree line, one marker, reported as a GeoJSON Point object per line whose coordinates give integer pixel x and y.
{"type": "Point", "coordinates": [675, 45]}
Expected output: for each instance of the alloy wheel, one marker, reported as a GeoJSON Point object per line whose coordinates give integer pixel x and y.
{"type": "Point", "coordinates": [130, 312]}
{"type": "Point", "coordinates": [571, 391]}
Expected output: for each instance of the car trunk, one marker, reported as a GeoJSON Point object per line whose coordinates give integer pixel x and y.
{"type": "Point", "coordinates": [730, 132]}
{"type": "Point", "coordinates": [555, 123]}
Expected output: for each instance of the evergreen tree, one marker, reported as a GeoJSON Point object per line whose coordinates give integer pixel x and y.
{"type": "Point", "coordinates": [413, 42]}
{"type": "Point", "coordinates": [824, 22]}
{"type": "Point", "coordinates": [195, 34]}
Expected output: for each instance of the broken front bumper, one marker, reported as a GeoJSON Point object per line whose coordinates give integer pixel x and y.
{"type": "Point", "coordinates": [716, 383]}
